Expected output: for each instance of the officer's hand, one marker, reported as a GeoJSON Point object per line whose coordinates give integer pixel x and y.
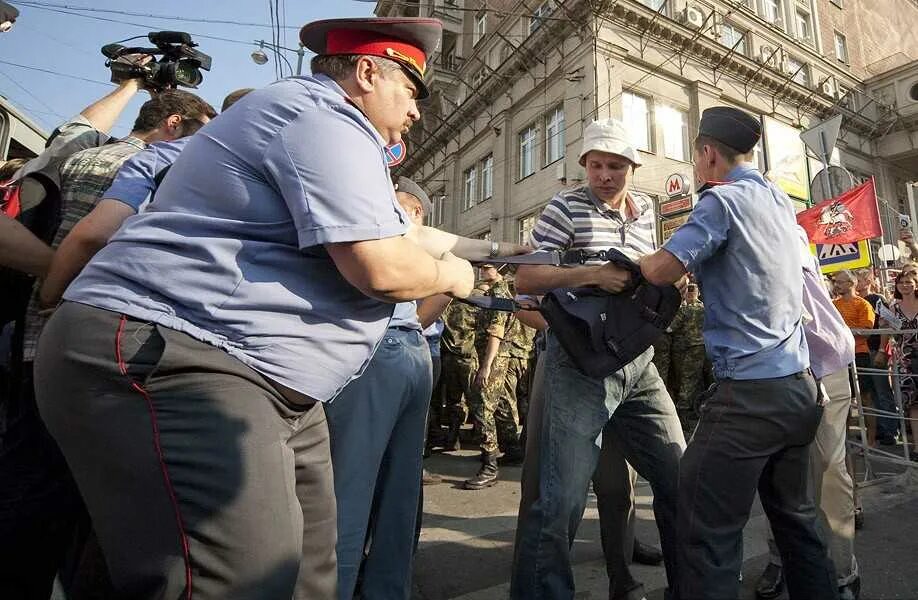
{"type": "Point", "coordinates": [511, 249]}
{"type": "Point", "coordinates": [612, 278]}
{"type": "Point", "coordinates": [682, 283]}
{"type": "Point", "coordinates": [460, 273]}
{"type": "Point", "coordinates": [481, 378]}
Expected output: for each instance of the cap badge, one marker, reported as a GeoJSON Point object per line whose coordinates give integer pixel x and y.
{"type": "Point", "coordinates": [405, 58]}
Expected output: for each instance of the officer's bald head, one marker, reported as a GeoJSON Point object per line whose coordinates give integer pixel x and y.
{"type": "Point", "coordinates": [412, 205]}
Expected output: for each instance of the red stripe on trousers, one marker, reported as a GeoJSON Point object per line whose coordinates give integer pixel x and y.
{"type": "Point", "coordinates": [186, 554]}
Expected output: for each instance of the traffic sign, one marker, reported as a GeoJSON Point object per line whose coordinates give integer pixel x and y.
{"type": "Point", "coordinates": [822, 137]}
{"type": "Point", "coordinates": [838, 257]}
{"type": "Point", "coordinates": [396, 153]}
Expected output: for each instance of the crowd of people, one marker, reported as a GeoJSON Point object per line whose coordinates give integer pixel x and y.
{"type": "Point", "coordinates": [238, 340]}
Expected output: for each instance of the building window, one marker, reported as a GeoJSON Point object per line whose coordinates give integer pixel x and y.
{"type": "Point", "coordinates": [470, 191]}
{"type": "Point", "coordinates": [436, 210]}
{"type": "Point", "coordinates": [487, 177]}
{"type": "Point", "coordinates": [771, 11]}
{"type": "Point", "coordinates": [841, 47]}
{"type": "Point", "coordinates": [479, 77]}
{"type": "Point", "coordinates": [527, 151]}
{"type": "Point", "coordinates": [804, 26]}
{"type": "Point", "coordinates": [479, 30]}
{"type": "Point", "coordinates": [731, 36]}
{"type": "Point", "coordinates": [654, 4]}
{"type": "Point", "coordinates": [674, 124]}
{"type": "Point", "coordinates": [636, 118]}
{"type": "Point", "coordinates": [527, 224]}
{"type": "Point", "coordinates": [554, 136]}
{"type": "Point", "coordinates": [538, 16]}
{"type": "Point", "coordinates": [799, 70]}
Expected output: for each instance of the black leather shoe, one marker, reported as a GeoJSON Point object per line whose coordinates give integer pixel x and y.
{"type": "Point", "coordinates": [852, 591]}
{"type": "Point", "coordinates": [771, 583]}
{"type": "Point", "coordinates": [645, 554]}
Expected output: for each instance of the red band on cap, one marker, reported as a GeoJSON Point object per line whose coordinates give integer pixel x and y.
{"type": "Point", "coordinates": [349, 41]}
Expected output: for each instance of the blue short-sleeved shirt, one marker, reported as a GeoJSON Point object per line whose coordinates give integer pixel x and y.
{"type": "Point", "coordinates": [136, 180]}
{"type": "Point", "coordinates": [231, 251]}
{"type": "Point", "coordinates": [433, 333]}
{"type": "Point", "coordinates": [741, 241]}
{"type": "Point", "coordinates": [405, 315]}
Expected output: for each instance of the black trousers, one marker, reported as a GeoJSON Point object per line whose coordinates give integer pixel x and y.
{"type": "Point", "coordinates": [200, 479]}
{"type": "Point", "coordinates": [753, 435]}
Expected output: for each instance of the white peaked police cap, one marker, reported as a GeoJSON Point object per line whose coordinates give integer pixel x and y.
{"type": "Point", "coordinates": [608, 135]}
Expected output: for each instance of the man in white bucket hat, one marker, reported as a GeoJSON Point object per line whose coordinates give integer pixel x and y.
{"type": "Point", "coordinates": [630, 408]}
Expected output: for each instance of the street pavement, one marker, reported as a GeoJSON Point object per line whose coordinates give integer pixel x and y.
{"type": "Point", "coordinates": [466, 546]}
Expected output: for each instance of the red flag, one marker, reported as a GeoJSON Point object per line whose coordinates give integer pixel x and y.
{"type": "Point", "coordinates": [845, 219]}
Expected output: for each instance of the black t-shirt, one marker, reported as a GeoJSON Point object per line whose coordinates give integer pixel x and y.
{"type": "Point", "coordinates": [876, 301]}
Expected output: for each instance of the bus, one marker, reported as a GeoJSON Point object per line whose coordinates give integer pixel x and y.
{"type": "Point", "coordinates": [20, 136]}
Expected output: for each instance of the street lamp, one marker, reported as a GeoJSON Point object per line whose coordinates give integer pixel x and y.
{"type": "Point", "coordinates": [260, 57]}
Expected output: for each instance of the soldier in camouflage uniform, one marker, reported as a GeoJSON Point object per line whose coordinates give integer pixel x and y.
{"type": "Point", "coordinates": [490, 409]}
{"type": "Point", "coordinates": [459, 362]}
{"type": "Point", "coordinates": [688, 357]}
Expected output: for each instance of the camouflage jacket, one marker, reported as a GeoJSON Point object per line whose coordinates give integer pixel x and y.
{"type": "Point", "coordinates": [688, 325]}
{"type": "Point", "coordinates": [520, 341]}
{"type": "Point", "coordinates": [460, 322]}
{"type": "Point", "coordinates": [493, 322]}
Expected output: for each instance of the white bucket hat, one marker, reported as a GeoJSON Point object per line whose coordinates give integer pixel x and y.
{"type": "Point", "coordinates": [608, 135]}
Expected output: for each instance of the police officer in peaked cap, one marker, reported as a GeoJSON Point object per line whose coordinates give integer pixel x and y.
{"type": "Point", "coordinates": [181, 374]}
{"type": "Point", "coordinates": [760, 417]}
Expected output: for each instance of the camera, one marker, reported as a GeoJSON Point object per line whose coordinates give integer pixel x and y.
{"type": "Point", "coordinates": [179, 63]}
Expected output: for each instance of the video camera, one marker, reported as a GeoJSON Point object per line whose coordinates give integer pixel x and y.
{"type": "Point", "coordinates": [180, 64]}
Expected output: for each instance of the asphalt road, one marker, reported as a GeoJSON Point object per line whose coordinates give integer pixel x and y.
{"type": "Point", "coordinates": [467, 541]}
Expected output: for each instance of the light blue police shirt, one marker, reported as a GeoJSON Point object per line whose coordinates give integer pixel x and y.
{"type": "Point", "coordinates": [432, 334]}
{"type": "Point", "coordinates": [231, 251]}
{"type": "Point", "coordinates": [136, 180]}
{"type": "Point", "coordinates": [741, 241]}
{"type": "Point", "coordinates": [405, 315]}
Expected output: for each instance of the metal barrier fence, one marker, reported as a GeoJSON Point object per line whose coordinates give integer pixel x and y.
{"type": "Point", "coordinates": [896, 373]}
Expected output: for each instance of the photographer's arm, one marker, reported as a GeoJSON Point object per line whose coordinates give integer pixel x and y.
{"type": "Point", "coordinates": [437, 243]}
{"type": "Point", "coordinates": [430, 308]}
{"type": "Point", "coordinates": [104, 112]}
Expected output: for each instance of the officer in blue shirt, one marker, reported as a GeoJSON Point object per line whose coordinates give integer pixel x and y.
{"type": "Point", "coordinates": [757, 424]}
{"type": "Point", "coordinates": [180, 374]}
{"type": "Point", "coordinates": [377, 426]}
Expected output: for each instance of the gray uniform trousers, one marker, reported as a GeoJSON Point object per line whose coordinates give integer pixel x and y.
{"type": "Point", "coordinates": [832, 484]}
{"type": "Point", "coordinates": [201, 480]}
{"type": "Point", "coordinates": [613, 484]}
{"type": "Point", "coordinates": [753, 435]}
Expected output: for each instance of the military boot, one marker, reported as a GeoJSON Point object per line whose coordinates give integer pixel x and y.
{"type": "Point", "coordinates": [487, 475]}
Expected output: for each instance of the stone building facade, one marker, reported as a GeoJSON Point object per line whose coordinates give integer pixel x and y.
{"type": "Point", "coordinates": [515, 82]}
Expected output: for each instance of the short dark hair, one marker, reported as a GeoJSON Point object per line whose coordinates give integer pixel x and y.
{"type": "Point", "coordinates": [729, 153]}
{"type": "Point", "coordinates": [341, 66]}
{"type": "Point", "coordinates": [234, 97]}
{"type": "Point", "coordinates": [172, 102]}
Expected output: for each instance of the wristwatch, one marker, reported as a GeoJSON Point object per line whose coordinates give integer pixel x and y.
{"type": "Point", "coordinates": [495, 249]}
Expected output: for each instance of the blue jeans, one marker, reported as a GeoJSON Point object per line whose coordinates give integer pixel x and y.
{"type": "Point", "coordinates": [377, 426]}
{"type": "Point", "coordinates": [576, 409]}
{"type": "Point", "coordinates": [887, 427]}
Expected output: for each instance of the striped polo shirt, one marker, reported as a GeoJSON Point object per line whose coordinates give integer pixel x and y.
{"type": "Point", "coordinates": [577, 220]}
